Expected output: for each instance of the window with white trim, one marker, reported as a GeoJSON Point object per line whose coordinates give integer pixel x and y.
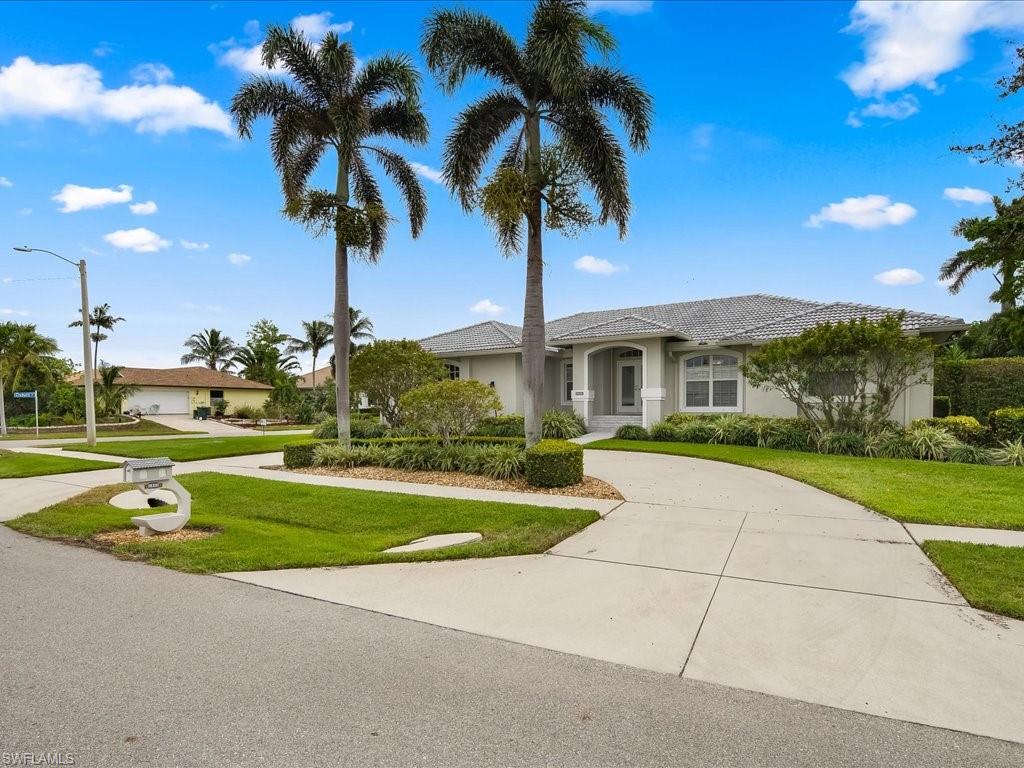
{"type": "Point", "coordinates": [711, 382]}
{"type": "Point", "coordinates": [454, 371]}
{"type": "Point", "coordinates": [567, 382]}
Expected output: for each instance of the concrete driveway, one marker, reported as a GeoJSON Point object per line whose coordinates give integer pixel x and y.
{"type": "Point", "coordinates": [728, 575]}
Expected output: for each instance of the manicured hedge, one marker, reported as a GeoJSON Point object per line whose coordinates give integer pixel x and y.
{"type": "Point", "coordinates": [300, 453]}
{"type": "Point", "coordinates": [1007, 424]}
{"type": "Point", "coordinates": [554, 464]}
{"type": "Point", "coordinates": [978, 387]}
{"type": "Point", "coordinates": [966, 429]}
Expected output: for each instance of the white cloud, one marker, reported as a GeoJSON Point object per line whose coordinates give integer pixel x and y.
{"type": "Point", "coordinates": [140, 240]}
{"type": "Point", "coordinates": [143, 209]}
{"type": "Point", "coordinates": [239, 258]}
{"type": "Point", "coordinates": [868, 212]}
{"type": "Point", "coordinates": [5, 182]}
{"type": "Point", "coordinates": [152, 73]}
{"type": "Point", "coordinates": [246, 55]}
{"type": "Point", "coordinates": [24, 211]}
{"type": "Point", "coordinates": [967, 195]}
{"type": "Point", "coordinates": [103, 50]}
{"type": "Point", "coordinates": [431, 174]}
{"type": "Point", "coordinates": [76, 92]}
{"type": "Point", "coordinates": [596, 266]}
{"type": "Point", "coordinates": [8, 312]}
{"type": "Point", "coordinates": [192, 245]}
{"type": "Point", "coordinates": [76, 198]}
{"type": "Point", "coordinates": [905, 106]}
{"type": "Point", "coordinates": [899, 276]}
{"type": "Point", "coordinates": [702, 136]}
{"type": "Point", "coordinates": [487, 307]}
{"type": "Point", "coordinates": [912, 43]}
{"type": "Point", "coordinates": [621, 7]}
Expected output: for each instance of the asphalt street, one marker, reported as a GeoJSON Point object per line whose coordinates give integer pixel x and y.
{"type": "Point", "coordinates": [121, 663]}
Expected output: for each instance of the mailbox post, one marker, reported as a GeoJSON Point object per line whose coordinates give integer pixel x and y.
{"type": "Point", "coordinates": [149, 475]}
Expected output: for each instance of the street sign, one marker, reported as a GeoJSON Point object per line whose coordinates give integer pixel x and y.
{"type": "Point", "coordinates": [33, 396]}
{"type": "Point", "coordinates": [25, 394]}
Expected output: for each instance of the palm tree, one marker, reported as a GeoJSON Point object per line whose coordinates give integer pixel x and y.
{"type": "Point", "coordinates": [27, 348]}
{"type": "Point", "coordinates": [361, 325]}
{"type": "Point", "coordinates": [100, 320]}
{"type": "Point", "coordinates": [110, 393]}
{"type": "Point", "coordinates": [318, 334]}
{"type": "Point", "coordinates": [545, 83]}
{"type": "Point", "coordinates": [265, 363]}
{"type": "Point", "coordinates": [211, 348]}
{"type": "Point", "coordinates": [332, 103]}
{"type": "Point", "coordinates": [997, 242]}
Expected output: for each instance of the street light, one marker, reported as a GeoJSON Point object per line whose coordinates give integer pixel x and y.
{"type": "Point", "coordinates": [90, 400]}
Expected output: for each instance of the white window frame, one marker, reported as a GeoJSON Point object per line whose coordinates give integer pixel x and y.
{"type": "Point", "coordinates": [448, 365]}
{"type": "Point", "coordinates": [709, 408]}
{"type": "Point", "coordinates": [566, 363]}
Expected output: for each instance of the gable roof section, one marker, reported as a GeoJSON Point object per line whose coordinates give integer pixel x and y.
{"type": "Point", "coordinates": [487, 335]}
{"type": "Point", "coordinates": [193, 376]}
{"type": "Point", "coordinates": [305, 381]}
{"type": "Point", "coordinates": [755, 317]}
{"type": "Point", "coordinates": [627, 325]}
{"type": "Point", "coordinates": [840, 311]}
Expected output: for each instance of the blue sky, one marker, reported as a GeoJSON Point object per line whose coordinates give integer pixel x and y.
{"type": "Point", "coordinates": [794, 152]}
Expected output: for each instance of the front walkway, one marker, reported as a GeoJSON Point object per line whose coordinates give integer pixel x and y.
{"type": "Point", "coordinates": [728, 575]}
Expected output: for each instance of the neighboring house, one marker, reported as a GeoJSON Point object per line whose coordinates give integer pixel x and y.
{"type": "Point", "coordinates": [637, 365]}
{"type": "Point", "coordinates": [182, 390]}
{"type": "Point", "coordinates": [305, 381]}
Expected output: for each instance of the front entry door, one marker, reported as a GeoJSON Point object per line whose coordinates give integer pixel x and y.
{"type": "Point", "coordinates": [629, 381]}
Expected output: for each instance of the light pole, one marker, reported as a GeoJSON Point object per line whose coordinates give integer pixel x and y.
{"type": "Point", "coordinates": [90, 399]}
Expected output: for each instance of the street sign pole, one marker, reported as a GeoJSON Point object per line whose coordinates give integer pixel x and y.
{"type": "Point", "coordinates": [35, 401]}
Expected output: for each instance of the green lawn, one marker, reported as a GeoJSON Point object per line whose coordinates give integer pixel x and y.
{"type": "Point", "coordinates": [266, 524]}
{"type": "Point", "coordinates": [989, 577]}
{"type": "Point", "coordinates": [34, 464]}
{"type": "Point", "coordinates": [905, 489]}
{"type": "Point", "coordinates": [190, 449]}
{"type": "Point", "coordinates": [143, 428]}
{"type": "Point", "coordinates": [284, 427]}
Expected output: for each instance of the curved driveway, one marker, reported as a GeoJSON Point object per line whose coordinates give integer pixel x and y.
{"type": "Point", "coordinates": [729, 575]}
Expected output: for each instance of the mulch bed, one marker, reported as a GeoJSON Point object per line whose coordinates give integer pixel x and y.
{"type": "Point", "coordinates": [590, 488]}
{"type": "Point", "coordinates": [113, 538]}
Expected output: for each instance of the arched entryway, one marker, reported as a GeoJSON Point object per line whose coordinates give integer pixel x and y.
{"type": "Point", "coordinates": [616, 374]}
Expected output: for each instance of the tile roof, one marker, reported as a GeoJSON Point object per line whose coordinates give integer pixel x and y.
{"type": "Point", "coordinates": [305, 381]}
{"type": "Point", "coordinates": [756, 317]}
{"type": "Point", "coordinates": [192, 376]}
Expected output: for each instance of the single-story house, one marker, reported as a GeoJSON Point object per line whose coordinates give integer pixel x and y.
{"type": "Point", "coordinates": [182, 390]}
{"type": "Point", "coordinates": [637, 365]}
{"type": "Point", "coordinates": [320, 375]}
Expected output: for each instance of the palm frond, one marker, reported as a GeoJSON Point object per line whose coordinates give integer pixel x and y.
{"type": "Point", "coordinates": [556, 45]}
{"type": "Point", "coordinates": [408, 183]}
{"type": "Point", "coordinates": [262, 97]}
{"type": "Point", "coordinates": [291, 48]}
{"type": "Point", "coordinates": [401, 119]}
{"type": "Point", "coordinates": [610, 88]}
{"type": "Point", "coordinates": [387, 74]}
{"type": "Point", "coordinates": [599, 156]}
{"type": "Point", "coordinates": [457, 43]}
{"type": "Point", "coordinates": [478, 129]}
{"type": "Point", "coordinates": [367, 194]}
{"type": "Point", "coordinates": [337, 58]}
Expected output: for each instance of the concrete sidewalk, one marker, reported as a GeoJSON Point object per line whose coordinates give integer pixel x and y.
{"type": "Point", "coordinates": [729, 575]}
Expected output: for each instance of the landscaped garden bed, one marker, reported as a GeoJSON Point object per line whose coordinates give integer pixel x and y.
{"type": "Point", "coordinates": [190, 448]}
{"type": "Point", "coordinates": [267, 524]}
{"type": "Point", "coordinates": [143, 428]}
{"type": "Point", "coordinates": [590, 487]}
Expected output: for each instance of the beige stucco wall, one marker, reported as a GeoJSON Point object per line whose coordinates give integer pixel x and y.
{"type": "Point", "coordinates": [254, 398]}
{"type": "Point", "coordinates": [504, 370]}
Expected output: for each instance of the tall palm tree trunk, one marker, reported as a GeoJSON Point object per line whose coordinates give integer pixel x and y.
{"type": "Point", "coordinates": [534, 345]}
{"type": "Point", "coordinates": [95, 354]}
{"type": "Point", "coordinates": [314, 370]}
{"type": "Point", "coordinates": [342, 322]}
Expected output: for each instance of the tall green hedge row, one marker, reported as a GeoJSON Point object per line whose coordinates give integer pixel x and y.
{"type": "Point", "coordinates": [978, 387]}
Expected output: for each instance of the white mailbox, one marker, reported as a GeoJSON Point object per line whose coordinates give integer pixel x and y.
{"type": "Point", "coordinates": [149, 475]}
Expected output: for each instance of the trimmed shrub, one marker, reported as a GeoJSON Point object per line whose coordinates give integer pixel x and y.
{"type": "Point", "coordinates": [360, 427]}
{"type": "Point", "coordinates": [966, 429]}
{"type": "Point", "coordinates": [1007, 424]}
{"type": "Point", "coordinates": [631, 432]}
{"type": "Point", "coordinates": [695, 431]}
{"type": "Point", "coordinates": [733, 429]}
{"type": "Point", "coordinates": [941, 406]}
{"type": "Point", "coordinates": [563, 425]}
{"type": "Point", "coordinates": [554, 464]}
{"type": "Point", "coordinates": [335, 455]}
{"type": "Point", "coordinates": [786, 434]}
{"type": "Point", "coordinates": [511, 425]}
{"type": "Point", "coordinates": [1010, 452]}
{"type": "Point", "coordinates": [979, 386]}
{"type": "Point", "coordinates": [503, 462]}
{"type": "Point", "coordinates": [662, 431]}
{"type": "Point", "coordinates": [301, 453]}
{"type": "Point", "coordinates": [327, 429]}
{"type": "Point", "coordinates": [247, 412]}
{"type": "Point", "coordinates": [450, 408]}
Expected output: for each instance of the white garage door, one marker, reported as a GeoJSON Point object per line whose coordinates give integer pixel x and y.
{"type": "Point", "coordinates": [169, 400]}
